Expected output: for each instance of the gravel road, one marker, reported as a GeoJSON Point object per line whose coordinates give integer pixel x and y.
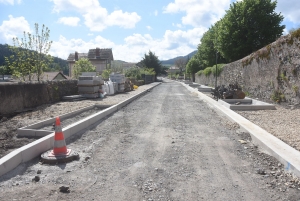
{"type": "Point", "coordinates": [166, 145]}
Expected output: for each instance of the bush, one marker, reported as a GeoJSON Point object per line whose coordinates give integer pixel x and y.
{"type": "Point", "coordinates": [105, 74]}
{"type": "Point", "coordinates": [207, 71]}
{"type": "Point", "coordinates": [200, 72]}
{"type": "Point", "coordinates": [220, 68]}
{"type": "Point", "coordinates": [134, 72]}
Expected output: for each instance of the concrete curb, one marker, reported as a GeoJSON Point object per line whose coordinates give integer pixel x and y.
{"type": "Point", "coordinates": [36, 148]}
{"type": "Point", "coordinates": [287, 155]}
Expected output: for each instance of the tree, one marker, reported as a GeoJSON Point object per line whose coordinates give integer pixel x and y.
{"type": "Point", "coordinates": [180, 63]}
{"type": "Point", "coordinates": [193, 66]}
{"type": "Point", "coordinates": [105, 74]}
{"type": "Point", "coordinates": [116, 66]}
{"type": "Point", "coordinates": [30, 54]}
{"type": "Point", "coordinates": [208, 47]}
{"type": "Point", "coordinates": [150, 60]}
{"type": "Point", "coordinates": [2, 71]}
{"type": "Point", "coordinates": [83, 65]}
{"type": "Point", "coordinates": [248, 26]}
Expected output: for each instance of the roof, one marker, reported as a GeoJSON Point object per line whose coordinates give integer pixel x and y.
{"type": "Point", "coordinates": [53, 75]}
{"type": "Point", "coordinates": [105, 54]}
{"type": "Point", "coordinates": [80, 56]}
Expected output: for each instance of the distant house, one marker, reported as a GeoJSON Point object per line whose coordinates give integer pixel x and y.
{"type": "Point", "coordinates": [100, 58]}
{"type": "Point", "coordinates": [173, 69]}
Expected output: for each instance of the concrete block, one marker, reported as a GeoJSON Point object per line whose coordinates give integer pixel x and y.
{"type": "Point", "coordinates": [94, 95]}
{"type": "Point", "coordinates": [10, 161]}
{"type": "Point", "coordinates": [79, 126]}
{"type": "Point", "coordinates": [88, 82]}
{"type": "Point", "coordinates": [95, 118]}
{"type": "Point", "coordinates": [67, 132]}
{"type": "Point", "coordinates": [71, 97]}
{"type": "Point", "coordinates": [91, 89]}
{"type": "Point", "coordinates": [36, 148]}
{"type": "Point", "coordinates": [25, 132]}
{"type": "Point", "coordinates": [42, 133]}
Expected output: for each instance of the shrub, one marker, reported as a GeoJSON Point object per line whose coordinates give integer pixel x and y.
{"type": "Point", "coordinates": [134, 72]}
{"type": "Point", "coordinates": [200, 72]}
{"type": "Point", "coordinates": [207, 71]}
{"type": "Point", "coordinates": [220, 68]}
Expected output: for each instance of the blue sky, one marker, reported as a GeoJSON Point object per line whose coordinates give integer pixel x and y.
{"type": "Point", "coordinates": [131, 28]}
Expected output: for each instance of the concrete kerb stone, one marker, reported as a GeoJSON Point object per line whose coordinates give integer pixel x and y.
{"type": "Point", "coordinates": [10, 161]}
{"type": "Point", "coordinates": [271, 145]}
{"type": "Point", "coordinates": [34, 149]}
{"type": "Point", "coordinates": [29, 131]}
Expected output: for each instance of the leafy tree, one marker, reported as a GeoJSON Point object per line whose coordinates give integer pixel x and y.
{"type": "Point", "coordinates": [193, 66]}
{"type": "Point", "coordinates": [208, 47]}
{"type": "Point", "coordinates": [180, 63]}
{"type": "Point", "coordinates": [150, 60]}
{"type": "Point", "coordinates": [116, 66]}
{"type": "Point", "coordinates": [105, 73]}
{"type": "Point", "coordinates": [134, 72]}
{"type": "Point", "coordinates": [248, 26]}
{"type": "Point", "coordinates": [83, 65]}
{"type": "Point", "coordinates": [148, 71]}
{"type": "Point", "coordinates": [2, 71]}
{"type": "Point", "coordinates": [30, 54]}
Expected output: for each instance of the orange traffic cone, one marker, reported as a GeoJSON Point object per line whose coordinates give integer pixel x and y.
{"type": "Point", "coordinates": [60, 148]}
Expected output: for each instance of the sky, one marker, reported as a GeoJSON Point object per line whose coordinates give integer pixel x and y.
{"type": "Point", "coordinates": [169, 28]}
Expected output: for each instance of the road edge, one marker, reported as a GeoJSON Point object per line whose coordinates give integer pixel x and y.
{"type": "Point", "coordinates": [270, 144]}
{"type": "Point", "coordinates": [36, 148]}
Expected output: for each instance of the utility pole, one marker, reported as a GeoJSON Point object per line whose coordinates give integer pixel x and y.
{"type": "Point", "coordinates": [216, 72]}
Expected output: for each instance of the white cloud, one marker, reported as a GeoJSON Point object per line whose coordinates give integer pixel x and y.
{"type": "Point", "coordinates": [96, 17]}
{"type": "Point", "coordinates": [289, 9]}
{"type": "Point", "coordinates": [173, 43]}
{"type": "Point", "coordinates": [70, 21]}
{"type": "Point", "coordinates": [177, 25]}
{"type": "Point", "coordinates": [12, 28]}
{"type": "Point", "coordinates": [198, 12]}
{"type": "Point", "coordinates": [63, 47]}
{"type": "Point", "coordinates": [155, 13]}
{"type": "Point", "coordinates": [149, 27]}
{"type": "Point", "coordinates": [11, 2]}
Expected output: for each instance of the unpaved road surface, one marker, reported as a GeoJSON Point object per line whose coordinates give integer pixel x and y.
{"type": "Point", "coordinates": [166, 145]}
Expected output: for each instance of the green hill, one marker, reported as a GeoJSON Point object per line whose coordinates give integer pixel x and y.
{"type": "Point", "coordinates": [171, 62]}
{"type": "Point", "coordinates": [57, 65]}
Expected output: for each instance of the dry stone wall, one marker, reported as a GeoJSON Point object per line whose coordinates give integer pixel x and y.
{"type": "Point", "coordinates": [271, 73]}
{"type": "Point", "coordinates": [17, 97]}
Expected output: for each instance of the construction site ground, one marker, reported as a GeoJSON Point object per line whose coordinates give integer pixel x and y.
{"type": "Point", "coordinates": [166, 145]}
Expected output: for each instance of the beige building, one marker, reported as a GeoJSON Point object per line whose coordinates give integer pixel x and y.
{"type": "Point", "coordinates": [100, 58]}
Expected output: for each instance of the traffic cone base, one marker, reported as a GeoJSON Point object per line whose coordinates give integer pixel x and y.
{"type": "Point", "coordinates": [52, 154]}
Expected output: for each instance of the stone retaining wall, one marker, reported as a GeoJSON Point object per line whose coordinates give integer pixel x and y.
{"type": "Point", "coordinates": [271, 73]}
{"type": "Point", "coordinates": [17, 97]}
